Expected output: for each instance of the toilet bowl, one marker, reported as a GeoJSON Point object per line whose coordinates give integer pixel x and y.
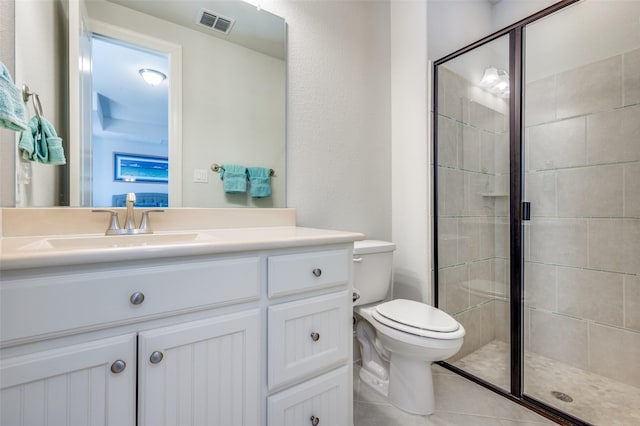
{"type": "Point", "coordinates": [399, 339]}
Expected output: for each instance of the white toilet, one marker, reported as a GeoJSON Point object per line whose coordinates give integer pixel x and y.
{"type": "Point", "coordinates": [399, 339]}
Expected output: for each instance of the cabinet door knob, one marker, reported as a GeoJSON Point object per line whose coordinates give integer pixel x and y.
{"type": "Point", "coordinates": [137, 298]}
{"type": "Point", "coordinates": [118, 366]}
{"type": "Point", "coordinates": [156, 357]}
{"type": "Point", "coordinates": [315, 420]}
{"type": "Point", "coordinates": [317, 272]}
{"type": "Point", "coordinates": [315, 336]}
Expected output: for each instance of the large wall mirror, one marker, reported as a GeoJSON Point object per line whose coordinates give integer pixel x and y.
{"type": "Point", "coordinates": [219, 98]}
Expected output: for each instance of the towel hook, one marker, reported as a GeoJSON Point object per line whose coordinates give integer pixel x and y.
{"type": "Point", "coordinates": [37, 106]}
{"type": "Point", "coordinates": [26, 94]}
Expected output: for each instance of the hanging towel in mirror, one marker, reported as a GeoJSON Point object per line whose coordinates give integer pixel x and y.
{"type": "Point", "coordinates": [234, 178]}
{"type": "Point", "coordinates": [41, 143]}
{"type": "Point", "coordinates": [12, 113]}
{"type": "Point", "coordinates": [259, 181]}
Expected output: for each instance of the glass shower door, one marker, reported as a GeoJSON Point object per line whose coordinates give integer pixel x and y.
{"type": "Point", "coordinates": [472, 210]}
{"type": "Point", "coordinates": [582, 177]}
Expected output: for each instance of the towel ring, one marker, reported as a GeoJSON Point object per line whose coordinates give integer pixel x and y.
{"type": "Point", "coordinates": [217, 167]}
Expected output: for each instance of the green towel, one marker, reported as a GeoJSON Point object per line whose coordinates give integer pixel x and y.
{"type": "Point", "coordinates": [234, 177]}
{"type": "Point", "coordinates": [260, 181]}
{"type": "Point", "coordinates": [41, 143]}
{"type": "Point", "coordinates": [12, 113]}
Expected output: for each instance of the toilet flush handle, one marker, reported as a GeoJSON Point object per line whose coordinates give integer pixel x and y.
{"type": "Point", "coordinates": [357, 259]}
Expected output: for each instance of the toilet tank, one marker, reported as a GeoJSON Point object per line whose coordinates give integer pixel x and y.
{"type": "Point", "coordinates": [372, 266]}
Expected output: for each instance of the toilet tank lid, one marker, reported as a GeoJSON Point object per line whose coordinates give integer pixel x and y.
{"type": "Point", "coordinates": [372, 246]}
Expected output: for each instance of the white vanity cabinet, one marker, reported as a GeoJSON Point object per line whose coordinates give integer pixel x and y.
{"type": "Point", "coordinates": [309, 347]}
{"type": "Point", "coordinates": [253, 338]}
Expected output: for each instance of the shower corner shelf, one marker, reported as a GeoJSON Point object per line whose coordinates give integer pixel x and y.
{"type": "Point", "coordinates": [493, 194]}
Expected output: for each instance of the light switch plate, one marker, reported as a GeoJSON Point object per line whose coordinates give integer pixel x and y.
{"type": "Point", "coordinates": [200, 175]}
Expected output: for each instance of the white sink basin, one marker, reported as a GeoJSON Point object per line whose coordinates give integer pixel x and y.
{"type": "Point", "coordinates": [107, 241]}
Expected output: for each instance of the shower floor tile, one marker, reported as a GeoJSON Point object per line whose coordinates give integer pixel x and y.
{"type": "Point", "coordinates": [596, 399]}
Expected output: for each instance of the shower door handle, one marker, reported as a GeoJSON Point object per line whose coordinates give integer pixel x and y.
{"type": "Point", "coordinates": [526, 210]}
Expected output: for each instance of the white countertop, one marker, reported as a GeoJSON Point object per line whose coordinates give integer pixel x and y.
{"type": "Point", "coordinates": [42, 251]}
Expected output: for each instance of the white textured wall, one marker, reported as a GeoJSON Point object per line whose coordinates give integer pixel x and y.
{"type": "Point", "coordinates": [338, 114]}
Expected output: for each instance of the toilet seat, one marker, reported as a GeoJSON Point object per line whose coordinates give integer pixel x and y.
{"type": "Point", "coordinates": [417, 318]}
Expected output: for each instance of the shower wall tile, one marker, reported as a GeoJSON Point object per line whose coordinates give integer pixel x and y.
{"type": "Point", "coordinates": [540, 102]}
{"type": "Point", "coordinates": [452, 192]}
{"type": "Point", "coordinates": [485, 118]}
{"type": "Point", "coordinates": [447, 242]}
{"type": "Point", "coordinates": [592, 295]}
{"type": "Point", "coordinates": [540, 191]}
{"type": "Point", "coordinates": [454, 92]}
{"type": "Point", "coordinates": [540, 286]}
{"type": "Point", "coordinates": [632, 302]}
{"type": "Point", "coordinates": [477, 184]}
{"type": "Point", "coordinates": [480, 282]}
{"type": "Point", "coordinates": [614, 136]}
{"type": "Point", "coordinates": [502, 243]}
{"type": "Point", "coordinates": [500, 276]}
{"type": "Point", "coordinates": [632, 189]}
{"type": "Point", "coordinates": [614, 245]}
{"type": "Point", "coordinates": [558, 144]}
{"type": "Point", "coordinates": [487, 229]}
{"type": "Point", "coordinates": [502, 321]}
{"type": "Point", "coordinates": [488, 152]}
{"type": "Point", "coordinates": [631, 77]}
{"type": "Point", "coordinates": [469, 242]}
{"type": "Point", "coordinates": [559, 337]}
{"type": "Point", "coordinates": [501, 164]}
{"type": "Point", "coordinates": [447, 142]}
{"type": "Point", "coordinates": [590, 192]}
{"type": "Point", "coordinates": [456, 289]}
{"type": "Point", "coordinates": [479, 324]}
{"type": "Point", "coordinates": [591, 88]}
{"type": "Point", "coordinates": [613, 353]}
{"type": "Point", "coordinates": [470, 148]}
{"type": "Point", "coordinates": [558, 241]}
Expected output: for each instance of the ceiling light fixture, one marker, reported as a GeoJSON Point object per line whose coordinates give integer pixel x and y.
{"type": "Point", "coordinates": [152, 77]}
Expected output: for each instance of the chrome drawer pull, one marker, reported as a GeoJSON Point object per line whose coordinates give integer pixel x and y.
{"type": "Point", "coordinates": [137, 298]}
{"type": "Point", "coordinates": [317, 272]}
{"type": "Point", "coordinates": [156, 357]}
{"type": "Point", "coordinates": [315, 336]}
{"type": "Point", "coordinates": [315, 420]}
{"type": "Point", "coordinates": [118, 366]}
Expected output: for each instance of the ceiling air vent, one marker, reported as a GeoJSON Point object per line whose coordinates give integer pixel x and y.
{"type": "Point", "coordinates": [214, 21]}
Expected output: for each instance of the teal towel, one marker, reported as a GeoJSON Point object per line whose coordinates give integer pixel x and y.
{"type": "Point", "coordinates": [234, 178]}
{"type": "Point", "coordinates": [12, 114]}
{"type": "Point", "coordinates": [41, 143]}
{"type": "Point", "coordinates": [260, 181]}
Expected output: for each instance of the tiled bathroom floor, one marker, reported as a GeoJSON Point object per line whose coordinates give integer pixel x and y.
{"type": "Point", "coordinates": [596, 399]}
{"type": "Point", "coordinates": [459, 402]}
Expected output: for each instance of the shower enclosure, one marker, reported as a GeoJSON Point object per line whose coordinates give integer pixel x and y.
{"type": "Point", "coordinates": [537, 209]}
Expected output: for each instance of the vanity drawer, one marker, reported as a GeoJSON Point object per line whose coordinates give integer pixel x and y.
{"type": "Point", "coordinates": [324, 398]}
{"type": "Point", "coordinates": [297, 273]}
{"type": "Point", "coordinates": [308, 336]}
{"type": "Point", "coordinates": [57, 303]}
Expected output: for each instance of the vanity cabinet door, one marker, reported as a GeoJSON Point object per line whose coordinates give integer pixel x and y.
{"type": "Point", "coordinates": [92, 383]}
{"type": "Point", "coordinates": [203, 372]}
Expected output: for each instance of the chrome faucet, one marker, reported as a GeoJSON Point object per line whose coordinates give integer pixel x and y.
{"type": "Point", "coordinates": [129, 222]}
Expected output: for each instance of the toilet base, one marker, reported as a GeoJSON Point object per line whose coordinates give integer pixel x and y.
{"type": "Point", "coordinates": [377, 384]}
{"type": "Point", "coordinates": [411, 385]}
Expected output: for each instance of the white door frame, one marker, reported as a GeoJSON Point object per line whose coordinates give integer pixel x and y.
{"type": "Point", "coordinates": [174, 52]}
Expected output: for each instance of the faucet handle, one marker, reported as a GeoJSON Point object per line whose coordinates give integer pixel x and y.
{"type": "Point", "coordinates": [114, 225]}
{"type": "Point", "coordinates": [145, 225]}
